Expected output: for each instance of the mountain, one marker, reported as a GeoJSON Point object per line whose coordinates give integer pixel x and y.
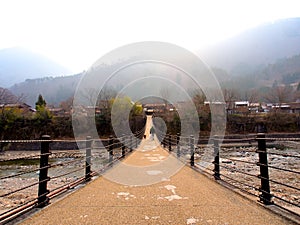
{"type": "Point", "coordinates": [285, 71]}
{"type": "Point", "coordinates": [58, 89]}
{"type": "Point", "coordinates": [253, 49]}
{"type": "Point", "coordinates": [264, 56]}
{"type": "Point", "coordinates": [18, 64]}
{"type": "Point", "coordinates": [53, 89]}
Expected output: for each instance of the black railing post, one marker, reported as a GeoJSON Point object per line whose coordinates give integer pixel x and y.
{"type": "Point", "coordinates": [216, 161]}
{"type": "Point", "coordinates": [136, 142]}
{"type": "Point", "coordinates": [265, 195]}
{"type": "Point", "coordinates": [88, 155]}
{"type": "Point", "coordinates": [110, 149]}
{"type": "Point", "coordinates": [178, 145]}
{"type": "Point", "coordinates": [123, 145]}
{"type": "Point", "coordinates": [43, 200]}
{"type": "Point", "coordinates": [169, 140]}
{"type": "Point", "coordinates": [192, 149]}
{"type": "Point", "coordinates": [131, 143]}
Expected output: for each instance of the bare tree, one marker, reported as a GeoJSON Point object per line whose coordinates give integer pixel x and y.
{"type": "Point", "coordinates": [279, 94]}
{"type": "Point", "coordinates": [105, 95]}
{"type": "Point", "coordinates": [230, 96]}
{"type": "Point", "coordinates": [6, 97]}
{"type": "Point", "coordinates": [92, 96]}
{"type": "Point", "coordinates": [296, 94]}
{"type": "Point", "coordinates": [89, 96]}
{"type": "Point", "coordinates": [67, 104]}
{"type": "Point", "coordinates": [198, 99]}
{"type": "Point", "coordinates": [165, 94]}
{"type": "Point", "coordinates": [251, 96]}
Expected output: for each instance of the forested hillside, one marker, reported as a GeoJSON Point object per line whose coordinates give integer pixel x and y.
{"type": "Point", "coordinates": [53, 89]}
{"type": "Point", "coordinates": [255, 48]}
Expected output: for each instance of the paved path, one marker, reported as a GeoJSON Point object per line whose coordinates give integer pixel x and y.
{"type": "Point", "coordinates": [154, 195]}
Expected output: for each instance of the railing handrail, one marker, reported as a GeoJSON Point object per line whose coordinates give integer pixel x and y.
{"type": "Point", "coordinates": [127, 144]}
{"type": "Point", "coordinates": [265, 188]}
{"type": "Point", "coordinates": [124, 145]}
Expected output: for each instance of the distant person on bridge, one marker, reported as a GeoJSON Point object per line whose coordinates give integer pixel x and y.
{"type": "Point", "coordinates": [152, 132]}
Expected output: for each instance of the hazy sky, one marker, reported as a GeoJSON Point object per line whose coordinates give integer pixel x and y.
{"type": "Point", "coordinates": [77, 33]}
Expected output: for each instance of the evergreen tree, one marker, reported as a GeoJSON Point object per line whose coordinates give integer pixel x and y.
{"type": "Point", "coordinates": [40, 102]}
{"type": "Point", "coordinates": [42, 112]}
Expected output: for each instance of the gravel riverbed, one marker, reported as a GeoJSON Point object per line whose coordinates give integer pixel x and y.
{"type": "Point", "coordinates": [239, 163]}
{"type": "Point", "coordinates": [12, 163]}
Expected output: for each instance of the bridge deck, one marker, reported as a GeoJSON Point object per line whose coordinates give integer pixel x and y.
{"type": "Point", "coordinates": [152, 194]}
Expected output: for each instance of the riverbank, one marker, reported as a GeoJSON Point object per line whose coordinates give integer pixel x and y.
{"type": "Point", "coordinates": [13, 155]}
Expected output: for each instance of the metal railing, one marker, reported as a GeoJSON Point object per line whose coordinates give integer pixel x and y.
{"type": "Point", "coordinates": [51, 177]}
{"type": "Point", "coordinates": [255, 170]}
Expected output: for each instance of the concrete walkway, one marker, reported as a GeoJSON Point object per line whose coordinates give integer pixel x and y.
{"type": "Point", "coordinates": [153, 194]}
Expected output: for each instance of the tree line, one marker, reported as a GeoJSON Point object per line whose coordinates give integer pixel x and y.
{"type": "Point", "coordinates": [17, 123]}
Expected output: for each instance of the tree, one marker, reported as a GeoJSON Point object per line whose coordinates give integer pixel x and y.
{"type": "Point", "coordinates": [8, 115]}
{"type": "Point", "coordinates": [230, 96]}
{"type": "Point", "coordinates": [198, 99]}
{"type": "Point", "coordinates": [165, 94]}
{"type": "Point", "coordinates": [280, 94]}
{"type": "Point", "coordinates": [251, 96]}
{"type": "Point", "coordinates": [137, 110]}
{"type": "Point", "coordinates": [119, 117]}
{"type": "Point", "coordinates": [105, 95]}
{"type": "Point", "coordinates": [6, 97]}
{"type": "Point", "coordinates": [43, 116]}
{"type": "Point", "coordinates": [67, 104]}
{"type": "Point", "coordinates": [40, 102]}
{"type": "Point", "coordinates": [297, 93]}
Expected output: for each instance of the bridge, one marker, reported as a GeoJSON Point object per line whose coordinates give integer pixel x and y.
{"type": "Point", "coordinates": [154, 185]}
